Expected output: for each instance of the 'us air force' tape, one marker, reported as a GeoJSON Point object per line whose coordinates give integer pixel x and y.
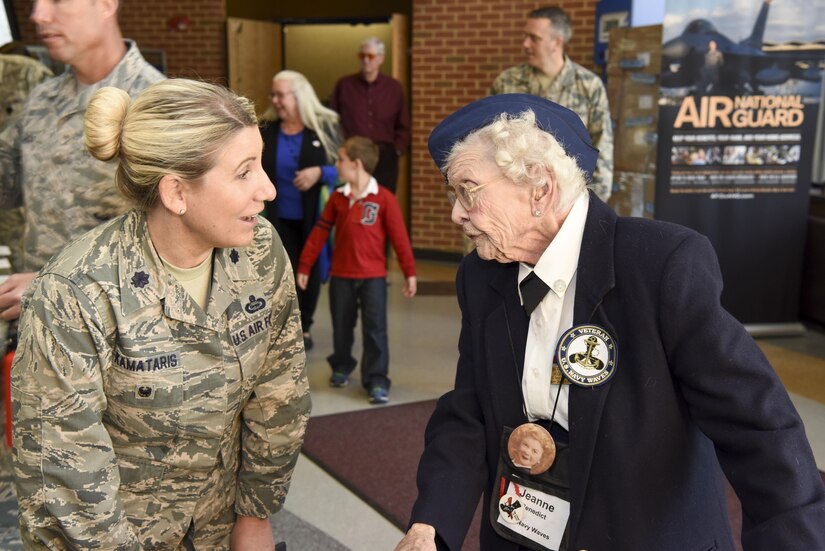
{"type": "Point", "coordinates": [587, 355]}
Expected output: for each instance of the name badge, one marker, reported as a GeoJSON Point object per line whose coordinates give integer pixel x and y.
{"type": "Point", "coordinates": [533, 514]}
{"type": "Point", "coordinates": [532, 504]}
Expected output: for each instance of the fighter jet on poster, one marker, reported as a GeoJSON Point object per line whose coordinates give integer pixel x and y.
{"type": "Point", "coordinates": [704, 59]}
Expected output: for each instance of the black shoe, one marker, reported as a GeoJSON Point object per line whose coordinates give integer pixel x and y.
{"type": "Point", "coordinates": [379, 395]}
{"type": "Point", "coordinates": [308, 344]}
{"type": "Point", "coordinates": [338, 379]}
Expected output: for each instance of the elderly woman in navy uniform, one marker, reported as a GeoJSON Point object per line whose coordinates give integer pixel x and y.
{"type": "Point", "coordinates": [608, 332]}
{"type": "Point", "coordinates": [159, 390]}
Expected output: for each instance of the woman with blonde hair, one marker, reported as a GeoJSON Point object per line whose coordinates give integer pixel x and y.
{"type": "Point", "coordinates": [159, 389]}
{"type": "Point", "coordinates": [301, 139]}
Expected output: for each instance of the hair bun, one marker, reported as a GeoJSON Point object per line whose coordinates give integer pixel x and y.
{"type": "Point", "coordinates": [104, 122]}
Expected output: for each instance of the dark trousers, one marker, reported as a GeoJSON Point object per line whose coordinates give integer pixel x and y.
{"type": "Point", "coordinates": [386, 171]}
{"type": "Point", "coordinates": [292, 234]}
{"type": "Point", "coordinates": [345, 298]}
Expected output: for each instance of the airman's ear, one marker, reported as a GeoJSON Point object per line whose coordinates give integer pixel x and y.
{"type": "Point", "coordinates": [109, 7]}
{"type": "Point", "coordinates": [171, 192]}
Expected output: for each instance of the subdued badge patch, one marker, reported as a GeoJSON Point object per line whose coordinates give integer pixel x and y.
{"type": "Point", "coordinates": [255, 304]}
{"type": "Point", "coordinates": [140, 279]}
{"type": "Point", "coordinates": [144, 392]}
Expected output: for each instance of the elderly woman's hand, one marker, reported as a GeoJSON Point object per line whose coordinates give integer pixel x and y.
{"type": "Point", "coordinates": [420, 537]}
{"type": "Point", "coordinates": [307, 177]}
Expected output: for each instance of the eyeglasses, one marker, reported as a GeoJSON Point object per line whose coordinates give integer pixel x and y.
{"type": "Point", "coordinates": [364, 55]}
{"type": "Point", "coordinates": [464, 193]}
{"type": "Point", "coordinates": [279, 95]}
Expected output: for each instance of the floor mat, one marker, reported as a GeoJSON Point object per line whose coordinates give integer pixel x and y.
{"type": "Point", "coordinates": [375, 453]}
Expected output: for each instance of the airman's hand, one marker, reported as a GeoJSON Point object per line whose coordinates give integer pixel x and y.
{"type": "Point", "coordinates": [11, 291]}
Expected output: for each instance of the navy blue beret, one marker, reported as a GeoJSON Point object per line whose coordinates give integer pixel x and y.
{"type": "Point", "coordinates": [560, 122]}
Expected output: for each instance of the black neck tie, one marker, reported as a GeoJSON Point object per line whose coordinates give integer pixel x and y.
{"type": "Point", "coordinates": [533, 290]}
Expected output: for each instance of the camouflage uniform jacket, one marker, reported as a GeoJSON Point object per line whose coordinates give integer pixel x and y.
{"type": "Point", "coordinates": [581, 91]}
{"type": "Point", "coordinates": [45, 167]}
{"type": "Point", "coordinates": [18, 76]}
{"type": "Point", "coordinates": [140, 420]}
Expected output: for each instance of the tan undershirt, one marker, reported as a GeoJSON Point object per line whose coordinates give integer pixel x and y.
{"type": "Point", "coordinates": [195, 280]}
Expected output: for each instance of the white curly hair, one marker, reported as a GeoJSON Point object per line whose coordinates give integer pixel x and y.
{"type": "Point", "coordinates": [525, 153]}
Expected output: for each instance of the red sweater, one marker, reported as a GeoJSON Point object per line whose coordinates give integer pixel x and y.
{"type": "Point", "coordinates": [361, 232]}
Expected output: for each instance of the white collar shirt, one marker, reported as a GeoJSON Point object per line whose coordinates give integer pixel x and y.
{"type": "Point", "coordinates": [552, 317]}
{"type": "Point", "coordinates": [371, 189]}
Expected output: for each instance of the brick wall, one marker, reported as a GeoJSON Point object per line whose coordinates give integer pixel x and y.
{"type": "Point", "coordinates": [197, 52]}
{"type": "Point", "coordinates": [458, 48]}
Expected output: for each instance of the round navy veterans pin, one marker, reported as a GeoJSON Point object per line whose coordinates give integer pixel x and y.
{"type": "Point", "coordinates": [587, 355]}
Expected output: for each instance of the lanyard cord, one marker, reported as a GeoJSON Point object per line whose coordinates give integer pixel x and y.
{"type": "Point", "coordinates": [520, 373]}
{"type": "Point", "coordinates": [558, 394]}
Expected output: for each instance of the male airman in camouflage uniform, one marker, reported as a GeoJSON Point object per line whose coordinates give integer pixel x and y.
{"type": "Point", "coordinates": [43, 164]}
{"type": "Point", "coordinates": [65, 190]}
{"type": "Point", "coordinates": [19, 74]}
{"type": "Point", "coordinates": [143, 422]}
{"type": "Point", "coordinates": [549, 73]}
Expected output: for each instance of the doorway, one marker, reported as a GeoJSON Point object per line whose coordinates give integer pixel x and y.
{"type": "Point", "coordinates": [323, 51]}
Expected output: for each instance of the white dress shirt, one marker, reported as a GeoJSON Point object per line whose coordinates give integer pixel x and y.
{"type": "Point", "coordinates": [552, 317]}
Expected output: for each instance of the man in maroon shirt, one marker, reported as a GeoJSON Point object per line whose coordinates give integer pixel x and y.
{"type": "Point", "coordinates": [373, 105]}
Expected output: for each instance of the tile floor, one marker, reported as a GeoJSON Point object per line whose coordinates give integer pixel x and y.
{"type": "Point", "coordinates": [423, 339]}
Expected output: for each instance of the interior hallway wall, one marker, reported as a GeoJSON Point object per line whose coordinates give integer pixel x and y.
{"type": "Point", "coordinates": [314, 9]}
{"type": "Point", "coordinates": [458, 48]}
{"type": "Point", "coordinates": [337, 44]}
{"type": "Point", "coordinates": [198, 51]}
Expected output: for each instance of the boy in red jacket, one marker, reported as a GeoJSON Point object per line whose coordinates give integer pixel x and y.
{"type": "Point", "coordinates": [363, 214]}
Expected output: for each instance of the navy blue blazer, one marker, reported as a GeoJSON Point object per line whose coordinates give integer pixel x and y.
{"type": "Point", "coordinates": [692, 391]}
